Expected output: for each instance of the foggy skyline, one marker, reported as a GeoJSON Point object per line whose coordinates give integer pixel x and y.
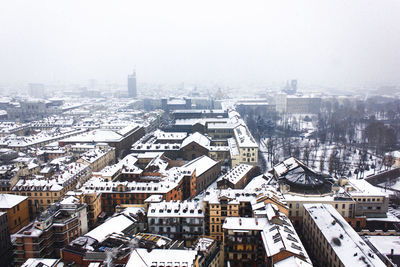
{"type": "Point", "coordinates": [332, 43]}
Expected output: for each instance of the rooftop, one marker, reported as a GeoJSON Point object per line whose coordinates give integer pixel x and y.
{"type": "Point", "coordinates": [8, 201]}
{"type": "Point", "coordinates": [200, 164]}
{"type": "Point", "coordinates": [176, 209]}
{"type": "Point", "coordinates": [95, 136]}
{"type": "Point", "coordinates": [234, 175]}
{"type": "Point", "coordinates": [244, 137]}
{"type": "Point", "coordinates": [94, 154]}
{"type": "Point", "coordinates": [347, 244]}
{"type": "Point", "coordinates": [141, 257]}
{"type": "Point", "coordinates": [115, 224]}
{"type": "Point", "coordinates": [198, 138]}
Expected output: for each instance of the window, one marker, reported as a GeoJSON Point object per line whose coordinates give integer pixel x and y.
{"type": "Point", "coordinates": [343, 206]}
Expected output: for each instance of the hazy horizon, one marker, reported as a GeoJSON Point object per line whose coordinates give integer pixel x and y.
{"type": "Point", "coordinates": [330, 43]}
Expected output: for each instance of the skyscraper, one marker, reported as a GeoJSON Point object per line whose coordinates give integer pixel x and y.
{"type": "Point", "coordinates": [293, 84]}
{"type": "Point", "coordinates": [132, 84]}
{"type": "Point", "coordinates": [36, 90]}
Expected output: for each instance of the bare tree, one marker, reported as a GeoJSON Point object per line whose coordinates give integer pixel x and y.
{"type": "Point", "coordinates": [306, 154]}
{"type": "Point", "coordinates": [334, 163]}
{"type": "Point", "coordinates": [322, 160]}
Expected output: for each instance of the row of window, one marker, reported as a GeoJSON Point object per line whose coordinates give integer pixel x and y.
{"type": "Point", "coordinates": [368, 199]}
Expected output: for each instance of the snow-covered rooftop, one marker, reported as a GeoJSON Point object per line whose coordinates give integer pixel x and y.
{"type": "Point", "coordinates": [347, 244]}
{"type": "Point", "coordinates": [126, 164]}
{"type": "Point", "coordinates": [258, 182]}
{"type": "Point", "coordinates": [191, 209]}
{"type": "Point", "coordinates": [141, 257]}
{"type": "Point", "coordinates": [93, 155]}
{"type": "Point", "coordinates": [38, 262]}
{"type": "Point", "coordinates": [95, 136]}
{"type": "Point", "coordinates": [69, 173]}
{"type": "Point", "coordinates": [234, 196]}
{"type": "Point", "coordinates": [161, 135]}
{"type": "Point", "coordinates": [198, 138]}
{"type": "Point", "coordinates": [200, 164]}
{"type": "Point", "coordinates": [292, 262]}
{"type": "Point", "coordinates": [277, 232]}
{"type": "Point", "coordinates": [360, 187]}
{"type": "Point", "coordinates": [115, 224]}
{"type": "Point", "coordinates": [169, 182]}
{"type": "Point", "coordinates": [203, 244]}
{"type": "Point", "coordinates": [244, 137]}
{"type": "Point", "coordinates": [233, 147]}
{"type": "Point", "coordinates": [385, 244]}
{"type": "Point", "coordinates": [236, 174]}
{"type": "Point", "coordinates": [7, 201]}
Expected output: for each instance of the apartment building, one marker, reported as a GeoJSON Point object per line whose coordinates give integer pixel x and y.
{"type": "Point", "coordinates": [42, 192]}
{"type": "Point", "coordinates": [177, 220]}
{"type": "Point", "coordinates": [210, 252]}
{"type": "Point", "coordinates": [121, 139]}
{"type": "Point", "coordinates": [94, 247]}
{"type": "Point", "coordinates": [332, 241]}
{"type": "Point", "coordinates": [5, 241]}
{"type": "Point", "coordinates": [98, 158]}
{"type": "Point", "coordinates": [9, 176]}
{"type": "Point", "coordinates": [54, 229]}
{"type": "Point", "coordinates": [221, 204]}
{"type": "Point", "coordinates": [245, 145]}
{"type": "Point", "coordinates": [262, 241]}
{"type": "Point", "coordinates": [238, 176]}
{"type": "Point", "coordinates": [17, 211]}
{"type": "Point", "coordinates": [175, 186]}
{"type": "Point", "coordinates": [206, 169]}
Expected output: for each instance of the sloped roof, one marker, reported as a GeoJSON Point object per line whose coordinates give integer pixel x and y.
{"type": "Point", "coordinates": [198, 138]}
{"type": "Point", "coordinates": [8, 201]}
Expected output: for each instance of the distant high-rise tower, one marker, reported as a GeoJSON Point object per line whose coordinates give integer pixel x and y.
{"type": "Point", "coordinates": [36, 90]}
{"type": "Point", "coordinates": [132, 85]}
{"type": "Point", "coordinates": [290, 89]}
{"type": "Point", "coordinates": [294, 86]}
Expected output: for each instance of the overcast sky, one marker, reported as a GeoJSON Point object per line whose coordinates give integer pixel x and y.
{"type": "Point", "coordinates": [333, 43]}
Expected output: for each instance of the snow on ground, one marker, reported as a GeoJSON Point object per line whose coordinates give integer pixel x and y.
{"type": "Point", "coordinates": [318, 153]}
{"type": "Point", "coordinates": [393, 184]}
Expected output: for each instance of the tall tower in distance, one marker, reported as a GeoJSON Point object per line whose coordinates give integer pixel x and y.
{"type": "Point", "coordinates": [132, 85]}
{"type": "Point", "coordinates": [293, 84]}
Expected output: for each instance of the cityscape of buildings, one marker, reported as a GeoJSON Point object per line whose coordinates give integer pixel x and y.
{"type": "Point", "coordinates": [197, 180]}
